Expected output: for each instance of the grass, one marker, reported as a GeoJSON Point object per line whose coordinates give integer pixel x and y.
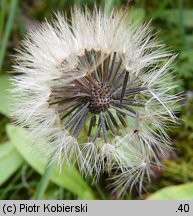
{"type": "Point", "coordinates": [43, 183]}
{"type": "Point", "coordinates": [8, 26]}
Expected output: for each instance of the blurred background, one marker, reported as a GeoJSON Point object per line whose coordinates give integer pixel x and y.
{"type": "Point", "coordinates": [20, 165]}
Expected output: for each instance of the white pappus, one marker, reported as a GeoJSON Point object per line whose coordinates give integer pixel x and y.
{"type": "Point", "coordinates": [96, 90]}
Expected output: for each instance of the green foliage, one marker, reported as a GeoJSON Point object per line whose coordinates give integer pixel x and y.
{"type": "Point", "coordinates": [8, 27]}
{"type": "Point", "coordinates": [3, 122]}
{"type": "Point", "coordinates": [5, 96]}
{"type": "Point", "coordinates": [69, 177]}
{"type": "Point", "coordinates": [180, 192]}
{"type": "Point", "coordinates": [178, 168]}
{"type": "Point", "coordinates": [173, 17]}
{"type": "Point", "coordinates": [185, 69]}
{"type": "Point", "coordinates": [179, 23]}
{"type": "Point", "coordinates": [10, 161]}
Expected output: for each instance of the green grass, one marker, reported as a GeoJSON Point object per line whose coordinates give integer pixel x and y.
{"type": "Point", "coordinates": [8, 26]}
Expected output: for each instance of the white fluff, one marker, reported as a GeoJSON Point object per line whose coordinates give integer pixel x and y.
{"type": "Point", "coordinates": [40, 62]}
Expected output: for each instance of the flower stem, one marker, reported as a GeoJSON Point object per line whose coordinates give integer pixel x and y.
{"type": "Point", "coordinates": [43, 182]}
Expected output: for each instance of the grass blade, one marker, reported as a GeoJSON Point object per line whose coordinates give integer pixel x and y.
{"type": "Point", "coordinates": [8, 28]}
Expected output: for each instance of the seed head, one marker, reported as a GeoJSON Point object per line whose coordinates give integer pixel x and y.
{"type": "Point", "coordinates": [97, 91]}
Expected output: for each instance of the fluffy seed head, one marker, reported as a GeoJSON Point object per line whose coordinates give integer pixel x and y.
{"type": "Point", "coordinates": [97, 91]}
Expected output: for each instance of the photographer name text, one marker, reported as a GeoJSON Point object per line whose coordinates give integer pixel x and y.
{"type": "Point", "coordinates": [46, 208]}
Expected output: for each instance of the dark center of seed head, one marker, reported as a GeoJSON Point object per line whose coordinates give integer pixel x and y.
{"type": "Point", "coordinates": [100, 97]}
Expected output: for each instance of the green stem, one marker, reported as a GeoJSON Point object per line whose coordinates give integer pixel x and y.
{"type": "Point", "coordinates": [108, 6]}
{"type": "Point", "coordinates": [8, 28]}
{"type": "Point", "coordinates": [2, 15]}
{"type": "Point", "coordinates": [181, 21]}
{"type": "Point", "coordinates": [43, 182]}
